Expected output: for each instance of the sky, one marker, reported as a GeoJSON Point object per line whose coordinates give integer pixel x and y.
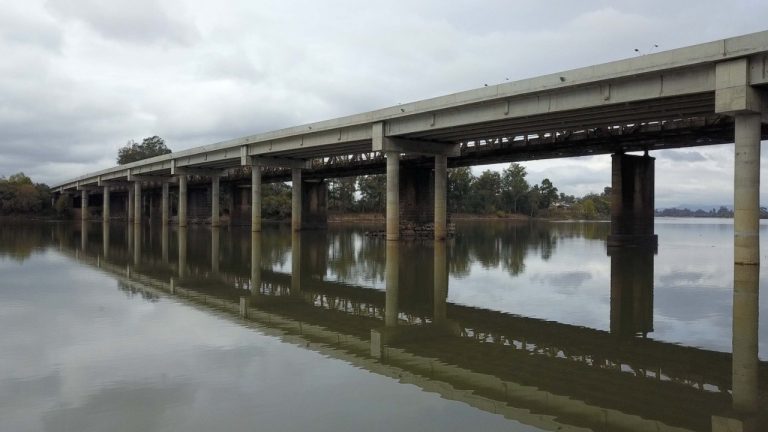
{"type": "Point", "coordinates": [79, 78]}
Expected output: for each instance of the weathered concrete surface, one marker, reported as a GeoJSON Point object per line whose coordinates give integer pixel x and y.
{"type": "Point", "coordinates": [632, 196]}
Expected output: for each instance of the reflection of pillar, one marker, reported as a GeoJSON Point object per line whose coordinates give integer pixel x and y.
{"type": "Point", "coordinates": [84, 204]}
{"type": "Point", "coordinates": [215, 248]}
{"type": "Point", "coordinates": [392, 271]}
{"type": "Point", "coordinates": [137, 202]}
{"type": "Point", "coordinates": [255, 262]}
{"type": "Point", "coordinates": [441, 195]}
{"type": "Point", "coordinates": [129, 234]}
{"type": "Point", "coordinates": [182, 252]}
{"type": "Point", "coordinates": [165, 203]}
{"type": "Point", "coordinates": [296, 199]}
{"type": "Point", "coordinates": [83, 235]}
{"type": "Point", "coordinates": [183, 201]}
{"type": "Point", "coordinates": [164, 242]}
{"type": "Point", "coordinates": [295, 263]}
{"type": "Point", "coordinates": [441, 282]}
{"type": "Point", "coordinates": [631, 290]}
{"type": "Point", "coordinates": [255, 198]}
{"type": "Point", "coordinates": [105, 239]}
{"type": "Point", "coordinates": [215, 183]}
{"type": "Point", "coordinates": [136, 244]}
{"type": "Point", "coordinates": [393, 194]}
{"type": "Point", "coordinates": [105, 205]}
{"type": "Point", "coordinates": [746, 225]}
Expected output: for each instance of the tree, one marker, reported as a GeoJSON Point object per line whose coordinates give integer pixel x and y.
{"type": "Point", "coordinates": [149, 147]}
{"type": "Point", "coordinates": [373, 192]}
{"type": "Point", "coordinates": [459, 185]}
{"type": "Point", "coordinates": [514, 185]}
{"type": "Point", "coordinates": [485, 191]}
{"type": "Point", "coordinates": [548, 194]}
{"type": "Point", "coordinates": [341, 194]}
{"type": "Point", "coordinates": [19, 195]}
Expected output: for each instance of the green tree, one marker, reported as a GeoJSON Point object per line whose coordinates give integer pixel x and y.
{"type": "Point", "coordinates": [373, 192]}
{"type": "Point", "coordinates": [341, 194]}
{"type": "Point", "coordinates": [534, 200]}
{"type": "Point", "coordinates": [514, 185]}
{"type": "Point", "coordinates": [19, 195]}
{"type": "Point", "coordinates": [459, 185]}
{"type": "Point", "coordinates": [548, 194]}
{"type": "Point", "coordinates": [485, 192]}
{"type": "Point", "coordinates": [149, 147]}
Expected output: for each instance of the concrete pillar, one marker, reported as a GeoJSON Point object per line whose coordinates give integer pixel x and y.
{"type": "Point", "coordinates": [105, 205]}
{"type": "Point", "coordinates": [440, 291]}
{"type": "Point", "coordinates": [183, 200]}
{"type": "Point", "coordinates": [632, 197]}
{"type": "Point", "coordinates": [84, 204]}
{"type": "Point", "coordinates": [392, 276]}
{"type": "Point", "coordinates": [296, 199]}
{"type": "Point", "coordinates": [182, 252]}
{"type": "Point", "coordinates": [165, 203]}
{"type": "Point", "coordinates": [255, 262]}
{"type": "Point", "coordinates": [137, 202]}
{"type": "Point", "coordinates": [215, 183]}
{"type": "Point", "coordinates": [215, 249]}
{"type": "Point", "coordinates": [314, 205]}
{"type": "Point", "coordinates": [244, 304]}
{"type": "Point", "coordinates": [255, 198]}
{"type": "Point", "coordinates": [441, 196]}
{"type": "Point", "coordinates": [393, 193]}
{"type": "Point", "coordinates": [130, 207]}
{"type": "Point", "coordinates": [746, 254]}
{"type": "Point", "coordinates": [295, 263]}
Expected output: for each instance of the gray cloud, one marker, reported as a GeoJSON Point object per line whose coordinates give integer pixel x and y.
{"type": "Point", "coordinates": [81, 77]}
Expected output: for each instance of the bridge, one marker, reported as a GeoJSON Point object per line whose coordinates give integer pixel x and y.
{"type": "Point", "coordinates": [550, 375]}
{"type": "Point", "coordinates": [705, 94]}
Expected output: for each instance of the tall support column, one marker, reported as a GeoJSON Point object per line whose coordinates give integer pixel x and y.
{"type": "Point", "coordinates": [746, 254]}
{"type": "Point", "coordinates": [137, 202]}
{"type": "Point", "coordinates": [632, 197]}
{"type": "Point", "coordinates": [164, 202]}
{"type": "Point", "coordinates": [130, 207]}
{"type": "Point", "coordinates": [255, 198]}
{"type": "Point", "coordinates": [84, 204]}
{"type": "Point", "coordinates": [215, 183]}
{"type": "Point", "coordinates": [441, 196]}
{"type": "Point", "coordinates": [136, 244]}
{"type": "Point", "coordinates": [393, 195]}
{"type": "Point", "coordinates": [182, 201]}
{"type": "Point", "coordinates": [105, 240]}
{"type": "Point", "coordinates": [296, 199]}
{"type": "Point", "coordinates": [105, 205]}
{"type": "Point", "coordinates": [164, 242]}
{"type": "Point", "coordinates": [215, 249]}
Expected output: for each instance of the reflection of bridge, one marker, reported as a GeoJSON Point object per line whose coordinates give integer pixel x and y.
{"type": "Point", "coordinates": [547, 374]}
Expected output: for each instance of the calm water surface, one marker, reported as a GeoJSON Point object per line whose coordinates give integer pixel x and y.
{"type": "Point", "coordinates": [506, 327]}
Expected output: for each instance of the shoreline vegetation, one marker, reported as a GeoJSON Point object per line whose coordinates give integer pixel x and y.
{"type": "Point", "coordinates": [493, 195]}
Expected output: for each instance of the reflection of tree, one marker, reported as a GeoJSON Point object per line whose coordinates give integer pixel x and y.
{"type": "Point", "coordinates": [131, 292]}
{"type": "Point", "coordinates": [18, 241]}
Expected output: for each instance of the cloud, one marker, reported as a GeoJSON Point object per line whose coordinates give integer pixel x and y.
{"type": "Point", "coordinates": [82, 77]}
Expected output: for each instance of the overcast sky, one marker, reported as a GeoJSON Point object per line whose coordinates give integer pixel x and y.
{"type": "Point", "coordinates": [79, 78]}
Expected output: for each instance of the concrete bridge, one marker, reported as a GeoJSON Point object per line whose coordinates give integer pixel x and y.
{"type": "Point", "coordinates": [551, 375]}
{"type": "Point", "coordinates": [704, 94]}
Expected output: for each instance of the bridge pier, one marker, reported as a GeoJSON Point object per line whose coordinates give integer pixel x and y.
{"type": "Point", "coordinates": [165, 210]}
{"type": "Point", "coordinates": [215, 184]}
{"type": "Point", "coordinates": [632, 196]}
{"type": "Point", "coordinates": [182, 252]}
{"type": "Point", "coordinates": [296, 199]}
{"type": "Point", "coordinates": [183, 199]}
{"type": "Point", "coordinates": [255, 198]}
{"type": "Point", "coordinates": [255, 262]}
{"type": "Point", "coordinates": [314, 204]}
{"type": "Point", "coordinates": [84, 204]}
{"type": "Point", "coordinates": [137, 202]}
{"type": "Point", "coordinates": [393, 195]}
{"type": "Point", "coordinates": [105, 205]}
{"type": "Point", "coordinates": [130, 206]}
